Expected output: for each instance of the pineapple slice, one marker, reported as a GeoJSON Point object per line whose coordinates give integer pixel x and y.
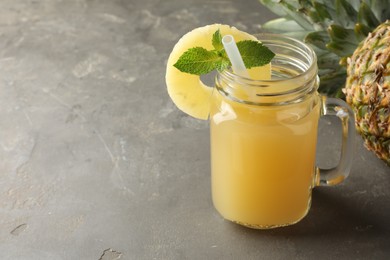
{"type": "Point", "coordinates": [187, 91]}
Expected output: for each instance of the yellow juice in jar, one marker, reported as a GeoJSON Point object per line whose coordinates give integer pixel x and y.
{"type": "Point", "coordinates": [263, 160]}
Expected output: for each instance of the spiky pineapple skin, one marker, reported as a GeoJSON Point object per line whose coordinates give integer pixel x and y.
{"type": "Point", "coordinates": [367, 90]}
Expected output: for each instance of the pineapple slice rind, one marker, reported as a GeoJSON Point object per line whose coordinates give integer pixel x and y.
{"type": "Point", "coordinates": [187, 91]}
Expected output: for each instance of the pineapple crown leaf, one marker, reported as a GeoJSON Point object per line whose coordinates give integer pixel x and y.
{"type": "Point", "coordinates": [327, 62]}
{"type": "Point", "coordinates": [341, 41]}
{"type": "Point", "coordinates": [334, 28]}
{"type": "Point", "coordinates": [346, 13]}
{"type": "Point", "coordinates": [339, 34]}
{"type": "Point", "coordinates": [367, 16]}
{"type": "Point", "coordinates": [361, 31]}
{"type": "Point", "coordinates": [341, 48]}
{"type": "Point", "coordinates": [380, 8]}
{"type": "Point", "coordinates": [300, 17]}
{"type": "Point", "coordinates": [318, 39]}
{"type": "Point", "coordinates": [281, 25]}
{"type": "Point", "coordinates": [318, 15]}
{"type": "Point", "coordinates": [321, 12]}
{"type": "Point", "coordinates": [273, 7]}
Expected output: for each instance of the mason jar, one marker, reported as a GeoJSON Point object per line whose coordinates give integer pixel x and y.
{"type": "Point", "coordinates": [264, 137]}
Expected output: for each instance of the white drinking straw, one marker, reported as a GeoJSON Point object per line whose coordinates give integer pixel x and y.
{"type": "Point", "coordinates": [234, 56]}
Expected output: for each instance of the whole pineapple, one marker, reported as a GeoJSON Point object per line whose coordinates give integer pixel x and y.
{"type": "Point", "coordinates": [368, 90]}
{"type": "Point", "coordinates": [352, 41]}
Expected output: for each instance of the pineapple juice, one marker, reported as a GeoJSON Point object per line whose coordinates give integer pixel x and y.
{"type": "Point", "coordinates": [263, 146]}
{"type": "Point", "coordinates": [263, 159]}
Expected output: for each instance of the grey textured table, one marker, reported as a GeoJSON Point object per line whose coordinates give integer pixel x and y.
{"type": "Point", "coordinates": [97, 163]}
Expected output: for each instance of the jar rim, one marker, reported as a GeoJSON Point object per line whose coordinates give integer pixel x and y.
{"type": "Point", "coordinates": [291, 54]}
{"type": "Point", "coordinates": [266, 38]}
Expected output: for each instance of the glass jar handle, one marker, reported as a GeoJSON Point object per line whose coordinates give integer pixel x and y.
{"type": "Point", "coordinates": [337, 107]}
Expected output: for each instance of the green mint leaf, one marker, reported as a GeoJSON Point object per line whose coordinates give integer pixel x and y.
{"type": "Point", "coordinates": [217, 40]}
{"type": "Point", "coordinates": [254, 53]}
{"type": "Point", "coordinates": [198, 61]}
{"type": "Point", "coordinates": [224, 62]}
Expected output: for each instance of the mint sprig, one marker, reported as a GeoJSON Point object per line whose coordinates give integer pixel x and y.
{"type": "Point", "coordinates": [200, 61]}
